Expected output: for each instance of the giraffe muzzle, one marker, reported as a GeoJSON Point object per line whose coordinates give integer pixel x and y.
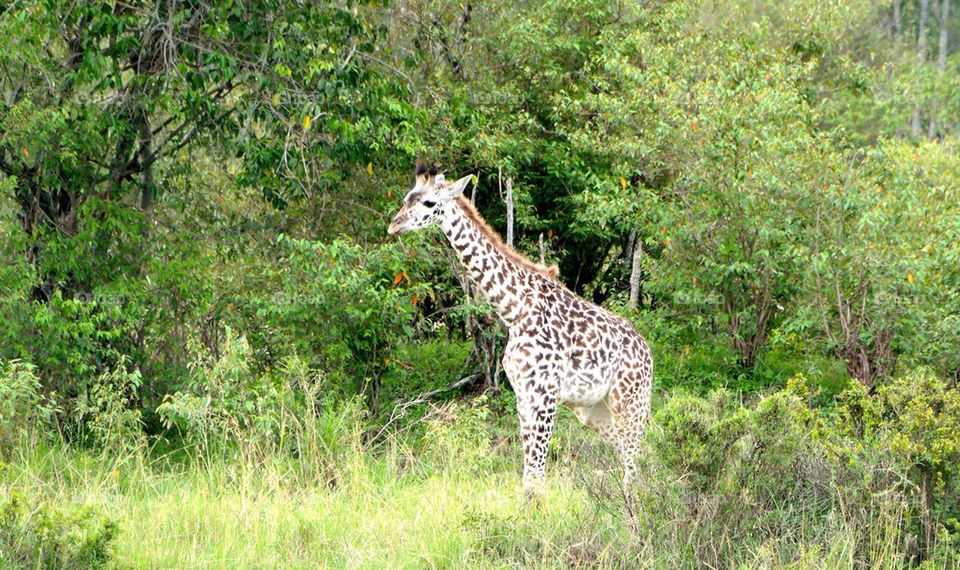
{"type": "Point", "coordinates": [396, 226]}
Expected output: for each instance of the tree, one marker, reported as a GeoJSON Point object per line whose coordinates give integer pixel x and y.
{"type": "Point", "coordinates": [879, 237]}
{"type": "Point", "coordinates": [921, 61]}
{"type": "Point", "coordinates": [106, 104]}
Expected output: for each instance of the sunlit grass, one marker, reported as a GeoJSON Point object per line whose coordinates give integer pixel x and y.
{"type": "Point", "coordinates": [444, 503]}
{"type": "Point", "coordinates": [376, 514]}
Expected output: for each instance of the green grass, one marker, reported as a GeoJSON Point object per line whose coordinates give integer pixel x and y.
{"type": "Point", "coordinates": [450, 498]}
{"type": "Point", "coordinates": [377, 513]}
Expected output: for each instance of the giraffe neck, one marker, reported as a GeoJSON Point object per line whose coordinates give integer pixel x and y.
{"type": "Point", "coordinates": [501, 280]}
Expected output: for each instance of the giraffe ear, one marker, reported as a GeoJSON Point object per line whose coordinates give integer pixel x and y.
{"type": "Point", "coordinates": [457, 188]}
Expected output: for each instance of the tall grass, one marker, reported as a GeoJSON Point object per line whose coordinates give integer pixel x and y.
{"type": "Point", "coordinates": [446, 503]}
{"type": "Point", "coordinates": [382, 511]}
{"type": "Point", "coordinates": [298, 479]}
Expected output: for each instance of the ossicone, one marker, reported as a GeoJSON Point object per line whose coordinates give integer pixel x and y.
{"type": "Point", "coordinates": [425, 170]}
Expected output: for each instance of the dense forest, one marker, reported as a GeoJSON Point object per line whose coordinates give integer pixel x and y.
{"type": "Point", "coordinates": [213, 355]}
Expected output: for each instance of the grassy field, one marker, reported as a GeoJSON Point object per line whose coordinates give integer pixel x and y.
{"type": "Point", "coordinates": [387, 510]}
{"type": "Point", "coordinates": [453, 506]}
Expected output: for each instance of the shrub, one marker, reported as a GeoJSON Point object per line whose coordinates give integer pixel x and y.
{"type": "Point", "coordinates": [905, 439]}
{"type": "Point", "coordinates": [37, 535]}
{"type": "Point", "coordinates": [696, 436]}
{"type": "Point", "coordinates": [342, 306]}
{"type": "Point", "coordinates": [224, 400]}
{"type": "Point", "coordinates": [108, 412]}
{"type": "Point", "coordinates": [292, 411]}
{"type": "Point", "coordinates": [457, 438]}
{"type": "Point", "coordinates": [75, 340]}
{"type": "Point", "coordinates": [21, 401]}
{"type": "Point", "coordinates": [871, 480]}
{"type": "Point", "coordinates": [726, 474]}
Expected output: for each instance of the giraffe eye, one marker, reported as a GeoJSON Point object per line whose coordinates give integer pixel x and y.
{"type": "Point", "coordinates": [429, 203]}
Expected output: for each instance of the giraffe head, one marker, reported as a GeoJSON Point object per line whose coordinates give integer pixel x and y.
{"type": "Point", "coordinates": [429, 202]}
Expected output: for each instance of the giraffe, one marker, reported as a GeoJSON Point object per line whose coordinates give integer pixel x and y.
{"type": "Point", "coordinates": [561, 349]}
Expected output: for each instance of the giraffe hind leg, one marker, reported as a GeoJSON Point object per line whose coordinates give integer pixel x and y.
{"type": "Point", "coordinates": [600, 419]}
{"type": "Point", "coordinates": [629, 403]}
{"type": "Point", "coordinates": [615, 430]}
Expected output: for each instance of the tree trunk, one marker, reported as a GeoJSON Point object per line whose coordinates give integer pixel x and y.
{"type": "Point", "coordinates": [635, 272]}
{"type": "Point", "coordinates": [944, 36]}
{"type": "Point", "coordinates": [941, 64]}
{"type": "Point", "coordinates": [897, 23]}
{"type": "Point", "coordinates": [483, 330]}
{"type": "Point", "coordinates": [628, 250]}
{"type": "Point", "coordinates": [921, 58]}
{"type": "Point", "coordinates": [509, 202]}
{"type": "Point", "coordinates": [147, 188]}
{"type": "Point", "coordinates": [869, 362]}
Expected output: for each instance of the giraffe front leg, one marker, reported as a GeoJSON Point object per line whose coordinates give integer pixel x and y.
{"type": "Point", "coordinates": [536, 386]}
{"type": "Point", "coordinates": [538, 413]}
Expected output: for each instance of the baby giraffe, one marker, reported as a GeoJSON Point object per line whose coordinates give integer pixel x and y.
{"type": "Point", "coordinates": [561, 349]}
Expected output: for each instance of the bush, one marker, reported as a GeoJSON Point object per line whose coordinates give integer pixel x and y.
{"type": "Point", "coordinates": [905, 439]}
{"type": "Point", "coordinates": [38, 535]}
{"type": "Point", "coordinates": [696, 436]}
{"type": "Point", "coordinates": [457, 438]}
{"type": "Point", "coordinates": [225, 400]}
{"type": "Point", "coordinates": [292, 412]}
{"type": "Point", "coordinates": [338, 304]}
{"type": "Point", "coordinates": [108, 412]}
{"type": "Point", "coordinates": [21, 400]}
{"type": "Point", "coordinates": [422, 366]}
{"type": "Point", "coordinates": [873, 480]}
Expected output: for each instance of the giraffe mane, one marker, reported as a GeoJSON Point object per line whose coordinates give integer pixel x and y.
{"type": "Point", "coordinates": [550, 271]}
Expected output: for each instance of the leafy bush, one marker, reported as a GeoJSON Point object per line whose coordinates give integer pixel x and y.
{"type": "Point", "coordinates": [881, 471]}
{"type": "Point", "coordinates": [38, 535]}
{"type": "Point", "coordinates": [457, 438]}
{"type": "Point", "coordinates": [887, 293]}
{"type": "Point", "coordinates": [344, 304]}
{"type": "Point", "coordinates": [715, 445]}
{"type": "Point", "coordinates": [424, 365]}
{"type": "Point", "coordinates": [21, 400]}
{"type": "Point", "coordinates": [225, 400]}
{"type": "Point", "coordinates": [905, 439]}
{"type": "Point", "coordinates": [695, 436]}
{"type": "Point", "coordinates": [108, 411]}
{"type": "Point", "coordinates": [292, 412]}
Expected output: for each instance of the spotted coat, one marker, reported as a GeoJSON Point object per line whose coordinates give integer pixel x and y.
{"type": "Point", "coordinates": [561, 348]}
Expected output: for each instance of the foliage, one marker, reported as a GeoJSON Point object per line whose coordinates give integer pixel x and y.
{"type": "Point", "coordinates": [781, 459]}
{"type": "Point", "coordinates": [878, 256]}
{"type": "Point", "coordinates": [137, 90]}
{"type": "Point", "coordinates": [108, 411]}
{"type": "Point", "coordinates": [346, 299]}
{"type": "Point", "coordinates": [913, 419]}
{"type": "Point", "coordinates": [292, 414]}
{"type": "Point", "coordinates": [39, 535]}
{"type": "Point", "coordinates": [22, 404]}
{"type": "Point", "coordinates": [458, 435]}
{"type": "Point", "coordinates": [195, 280]}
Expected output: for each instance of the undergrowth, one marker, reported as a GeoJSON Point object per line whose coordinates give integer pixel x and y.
{"type": "Point", "coordinates": [264, 473]}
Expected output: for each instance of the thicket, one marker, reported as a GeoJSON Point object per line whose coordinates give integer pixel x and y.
{"type": "Point", "coordinates": [194, 195]}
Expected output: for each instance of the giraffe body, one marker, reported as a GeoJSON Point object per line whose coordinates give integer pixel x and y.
{"type": "Point", "coordinates": [562, 350]}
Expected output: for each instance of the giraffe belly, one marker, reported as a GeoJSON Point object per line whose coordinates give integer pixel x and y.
{"type": "Point", "coordinates": [584, 387]}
